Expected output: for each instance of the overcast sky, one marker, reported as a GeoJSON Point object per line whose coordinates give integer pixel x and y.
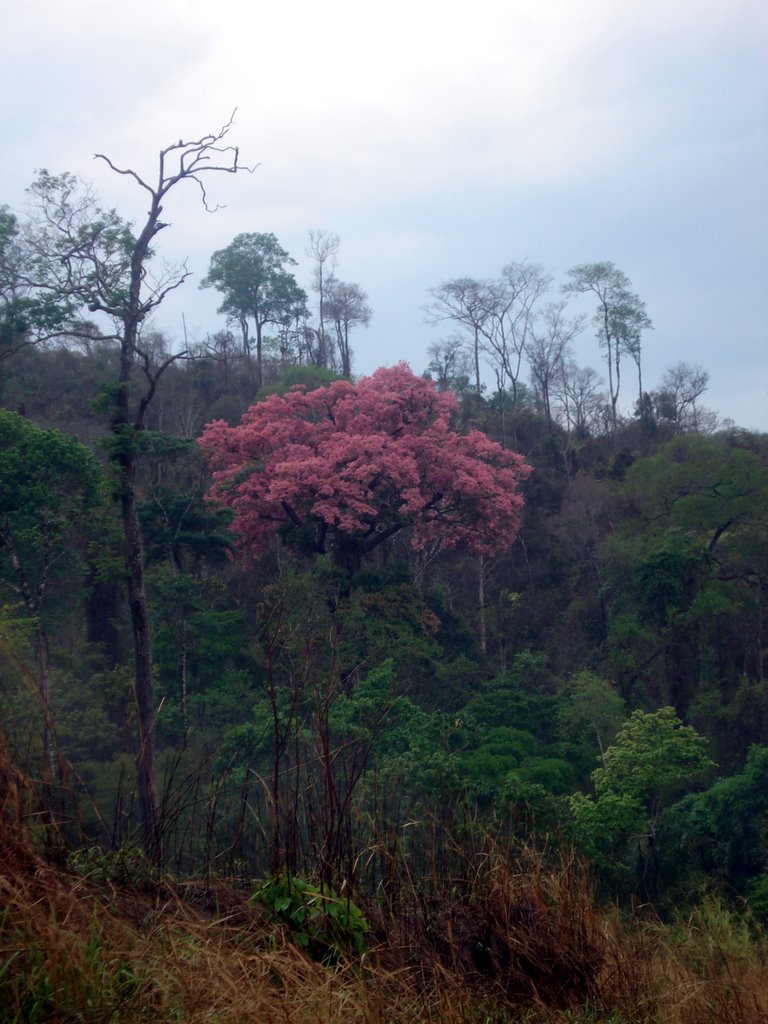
{"type": "Point", "coordinates": [437, 140]}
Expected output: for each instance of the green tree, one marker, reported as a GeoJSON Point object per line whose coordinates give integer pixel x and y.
{"type": "Point", "coordinates": [619, 320]}
{"type": "Point", "coordinates": [47, 483]}
{"type": "Point", "coordinates": [27, 315]}
{"type": "Point", "coordinates": [589, 714]}
{"type": "Point", "coordinates": [251, 275]}
{"type": "Point", "coordinates": [653, 754]}
{"type": "Point", "coordinates": [11, 325]}
{"type": "Point", "coordinates": [724, 827]}
{"type": "Point", "coordinates": [687, 574]}
{"type": "Point", "coordinates": [705, 488]}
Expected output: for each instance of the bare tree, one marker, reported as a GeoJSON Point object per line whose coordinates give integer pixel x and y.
{"type": "Point", "coordinates": [675, 400]}
{"type": "Point", "coordinates": [581, 399]}
{"type": "Point", "coordinates": [547, 351]}
{"type": "Point", "coordinates": [346, 306]}
{"type": "Point", "coordinates": [467, 303]}
{"type": "Point", "coordinates": [293, 333]}
{"type": "Point", "coordinates": [512, 315]}
{"type": "Point", "coordinates": [323, 248]}
{"type": "Point", "coordinates": [221, 348]}
{"type": "Point", "coordinates": [88, 257]}
{"type": "Point", "coordinates": [449, 364]}
{"type": "Point", "coordinates": [496, 316]}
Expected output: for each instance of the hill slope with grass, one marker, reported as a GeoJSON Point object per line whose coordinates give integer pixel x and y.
{"type": "Point", "coordinates": [103, 937]}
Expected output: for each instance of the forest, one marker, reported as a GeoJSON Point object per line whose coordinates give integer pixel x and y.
{"type": "Point", "coordinates": [445, 697]}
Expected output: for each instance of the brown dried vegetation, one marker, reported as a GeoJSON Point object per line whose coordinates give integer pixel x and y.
{"type": "Point", "coordinates": [515, 940]}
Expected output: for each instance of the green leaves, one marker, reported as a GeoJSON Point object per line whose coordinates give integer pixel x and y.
{"type": "Point", "coordinates": [652, 753]}
{"type": "Point", "coordinates": [620, 316]}
{"type": "Point", "coordinates": [701, 489]}
{"type": "Point", "coordinates": [79, 251]}
{"type": "Point", "coordinates": [252, 277]}
{"type": "Point", "coordinates": [47, 481]}
{"type": "Point", "coordinates": [329, 926]}
{"type": "Point", "coordinates": [728, 823]}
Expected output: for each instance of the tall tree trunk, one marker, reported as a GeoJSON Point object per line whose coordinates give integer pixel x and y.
{"type": "Point", "coordinates": [346, 362]}
{"type": "Point", "coordinates": [476, 360]}
{"type": "Point", "coordinates": [42, 656]}
{"type": "Point", "coordinates": [109, 276]}
{"type": "Point", "coordinates": [761, 649]}
{"type": "Point", "coordinates": [144, 686]}
{"type": "Point", "coordinates": [125, 454]}
{"type": "Point", "coordinates": [183, 654]}
{"type": "Point", "coordinates": [481, 603]}
{"type": "Point", "coordinates": [259, 355]}
{"type": "Point", "coordinates": [502, 407]}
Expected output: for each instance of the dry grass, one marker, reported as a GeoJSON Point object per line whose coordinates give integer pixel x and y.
{"type": "Point", "coordinates": [516, 941]}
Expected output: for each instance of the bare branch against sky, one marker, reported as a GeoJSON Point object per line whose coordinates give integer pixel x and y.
{"type": "Point", "coordinates": [437, 145]}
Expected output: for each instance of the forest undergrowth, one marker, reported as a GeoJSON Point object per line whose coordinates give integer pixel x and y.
{"type": "Point", "coordinates": [519, 938]}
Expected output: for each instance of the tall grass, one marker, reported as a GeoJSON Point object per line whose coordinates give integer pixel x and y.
{"type": "Point", "coordinates": [490, 934]}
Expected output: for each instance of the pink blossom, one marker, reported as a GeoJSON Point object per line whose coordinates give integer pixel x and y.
{"type": "Point", "coordinates": [356, 463]}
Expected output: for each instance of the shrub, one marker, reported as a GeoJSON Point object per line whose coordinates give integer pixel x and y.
{"type": "Point", "coordinates": [329, 926]}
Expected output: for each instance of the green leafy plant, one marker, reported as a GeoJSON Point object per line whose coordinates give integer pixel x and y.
{"type": "Point", "coordinates": [653, 753]}
{"type": "Point", "coordinates": [329, 926]}
{"type": "Point", "coordinates": [125, 866]}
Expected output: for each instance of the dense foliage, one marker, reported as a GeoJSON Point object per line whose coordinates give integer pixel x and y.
{"type": "Point", "coordinates": [519, 614]}
{"type": "Point", "coordinates": [637, 584]}
{"type": "Point", "coordinates": [351, 465]}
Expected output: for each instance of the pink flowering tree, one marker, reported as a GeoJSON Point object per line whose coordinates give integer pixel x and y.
{"type": "Point", "coordinates": [350, 465]}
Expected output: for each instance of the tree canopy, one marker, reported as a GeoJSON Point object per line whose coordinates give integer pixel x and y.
{"type": "Point", "coordinates": [46, 481]}
{"type": "Point", "coordinates": [352, 464]}
{"type": "Point", "coordinates": [619, 320]}
{"type": "Point", "coordinates": [251, 274]}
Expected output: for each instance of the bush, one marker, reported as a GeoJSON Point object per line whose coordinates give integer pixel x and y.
{"type": "Point", "coordinates": [330, 927]}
